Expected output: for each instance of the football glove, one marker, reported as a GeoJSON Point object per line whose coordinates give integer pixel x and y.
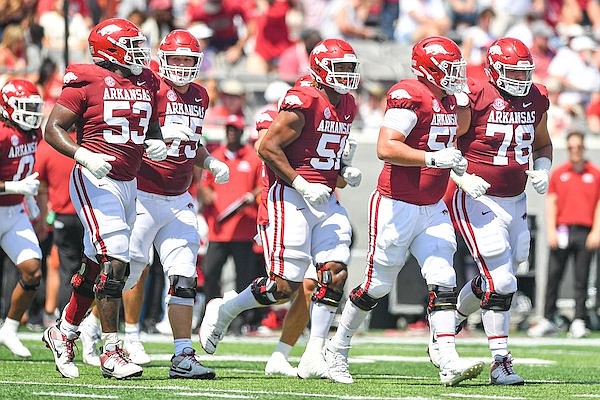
{"type": "Point", "coordinates": [349, 150]}
{"type": "Point", "coordinates": [471, 184]}
{"type": "Point", "coordinates": [445, 158]}
{"type": "Point", "coordinates": [352, 176]}
{"type": "Point", "coordinates": [156, 149]}
{"type": "Point", "coordinates": [27, 186]}
{"type": "Point", "coordinates": [218, 168]}
{"type": "Point", "coordinates": [540, 175]}
{"type": "Point", "coordinates": [97, 163]}
{"type": "Point", "coordinates": [315, 194]}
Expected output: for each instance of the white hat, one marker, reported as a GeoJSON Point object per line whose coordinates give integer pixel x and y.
{"type": "Point", "coordinates": [276, 90]}
{"type": "Point", "coordinates": [200, 31]}
{"type": "Point", "coordinates": [582, 43]}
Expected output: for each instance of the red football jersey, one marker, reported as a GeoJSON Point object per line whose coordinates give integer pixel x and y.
{"type": "Point", "coordinates": [114, 113]}
{"type": "Point", "coordinates": [173, 176]}
{"type": "Point", "coordinates": [264, 121]}
{"type": "Point", "coordinates": [316, 153]}
{"type": "Point", "coordinates": [17, 150]}
{"type": "Point", "coordinates": [435, 130]}
{"type": "Point", "coordinates": [498, 142]}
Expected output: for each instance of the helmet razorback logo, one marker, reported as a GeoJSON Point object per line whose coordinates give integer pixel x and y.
{"type": "Point", "coordinates": [495, 50]}
{"type": "Point", "coordinates": [9, 87]}
{"type": "Point", "coordinates": [108, 29]}
{"type": "Point", "coordinates": [320, 49]}
{"type": "Point", "coordinates": [435, 49]}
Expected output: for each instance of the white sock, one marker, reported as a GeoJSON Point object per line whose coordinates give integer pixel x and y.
{"type": "Point", "coordinates": [110, 339]}
{"type": "Point", "coordinates": [132, 332]}
{"type": "Point", "coordinates": [467, 303]}
{"type": "Point", "coordinates": [496, 325]}
{"type": "Point", "coordinates": [283, 348]}
{"type": "Point", "coordinates": [442, 324]}
{"type": "Point", "coordinates": [182, 344]}
{"type": "Point", "coordinates": [91, 324]}
{"type": "Point", "coordinates": [351, 319]}
{"type": "Point", "coordinates": [67, 328]}
{"type": "Point", "coordinates": [245, 300]}
{"type": "Point", "coordinates": [10, 326]}
{"type": "Point", "coordinates": [321, 317]}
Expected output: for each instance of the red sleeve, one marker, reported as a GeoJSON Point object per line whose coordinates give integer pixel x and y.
{"type": "Point", "coordinates": [73, 98]}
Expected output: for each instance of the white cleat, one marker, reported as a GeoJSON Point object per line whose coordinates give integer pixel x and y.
{"type": "Point", "coordinates": [215, 322]}
{"type": "Point", "coordinates": [458, 370]}
{"type": "Point", "coordinates": [337, 365]}
{"type": "Point", "coordinates": [186, 366]}
{"type": "Point", "coordinates": [312, 366]}
{"type": "Point", "coordinates": [14, 345]}
{"type": "Point", "coordinates": [576, 330]}
{"type": "Point", "coordinates": [115, 363]}
{"type": "Point", "coordinates": [90, 340]}
{"type": "Point", "coordinates": [543, 328]}
{"type": "Point", "coordinates": [278, 365]}
{"type": "Point", "coordinates": [62, 350]}
{"type": "Point", "coordinates": [502, 373]}
{"type": "Point", "coordinates": [137, 353]}
{"type": "Point", "coordinates": [433, 350]}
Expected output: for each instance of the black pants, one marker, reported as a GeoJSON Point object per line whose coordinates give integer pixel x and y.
{"type": "Point", "coordinates": [68, 238]}
{"type": "Point", "coordinates": [557, 264]}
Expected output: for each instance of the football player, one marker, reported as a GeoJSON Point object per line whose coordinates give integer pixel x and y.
{"type": "Point", "coordinates": [406, 211]}
{"type": "Point", "coordinates": [503, 126]}
{"type": "Point", "coordinates": [304, 147]}
{"type": "Point", "coordinates": [20, 119]}
{"type": "Point", "coordinates": [113, 106]}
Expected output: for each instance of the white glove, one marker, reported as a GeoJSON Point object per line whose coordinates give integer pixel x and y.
{"type": "Point", "coordinates": [349, 150]}
{"type": "Point", "coordinates": [352, 176]}
{"type": "Point", "coordinates": [539, 175]}
{"type": "Point", "coordinates": [32, 207]}
{"type": "Point", "coordinates": [315, 193]}
{"type": "Point", "coordinates": [445, 158]}
{"type": "Point", "coordinates": [156, 149]}
{"type": "Point", "coordinates": [471, 184]}
{"type": "Point", "coordinates": [177, 131]}
{"type": "Point", "coordinates": [27, 186]}
{"type": "Point", "coordinates": [218, 168]}
{"type": "Point", "coordinates": [97, 163]}
{"type": "Point", "coordinates": [461, 167]}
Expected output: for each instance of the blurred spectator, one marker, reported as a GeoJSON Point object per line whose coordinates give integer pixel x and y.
{"type": "Point", "coordinates": [53, 23]}
{"type": "Point", "coordinates": [463, 13]}
{"type": "Point", "coordinates": [540, 48]}
{"type": "Point", "coordinates": [271, 36]}
{"type": "Point", "coordinates": [34, 52]}
{"type": "Point", "coordinates": [575, 68]}
{"type": "Point", "coordinates": [12, 52]}
{"type": "Point", "coordinates": [421, 18]}
{"type": "Point", "coordinates": [522, 28]}
{"type": "Point", "coordinates": [573, 230]}
{"type": "Point", "coordinates": [475, 42]}
{"type": "Point", "coordinates": [220, 16]}
{"type": "Point", "coordinates": [593, 116]}
{"type": "Point", "coordinates": [389, 15]}
{"type": "Point", "coordinates": [231, 99]}
{"type": "Point", "coordinates": [559, 119]}
{"type": "Point", "coordinates": [203, 33]}
{"type": "Point", "coordinates": [231, 211]}
{"type": "Point", "coordinates": [49, 84]}
{"type": "Point", "coordinates": [127, 7]}
{"type": "Point", "coordinates": [512, 12]}
{"type": "Point", "coordinates": [349, 19]}
{"type": "Point", "coordinates": [372, 106]}
{"type": "Point", "coordinates": [293, 62]}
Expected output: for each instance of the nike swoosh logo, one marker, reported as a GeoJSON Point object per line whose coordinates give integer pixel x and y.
{"type": "Point", "coordinates": [452, 107]}
{"type": "Point", "coordinates": [197, 100]}
{"type": "Point", "coordinates": [188, 369]}
{"type": "Point", "coordinates": [140, 83]}
{"type": "Point", "coordinates": [486, 212]}
{"type": "Point", "coordinates": [346, 117]}
{"type": "Point", "coordinates": [300, 209]}
{"type": "Point", "coordinates": [525, 105]}
{"type": "Point", "coordinates": [111, 370]}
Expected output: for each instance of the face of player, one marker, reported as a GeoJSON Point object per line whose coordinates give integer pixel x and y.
{"type": "Point", "coordinates": [182, 61]}
{"type": "Point", "coordinates": [518, 75]}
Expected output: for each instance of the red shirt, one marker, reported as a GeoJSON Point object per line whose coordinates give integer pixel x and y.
{"type": "Point", "coordinates": [222, 24]}
{"type": "Point", "coordinates": [244, 176]}
{"type": "Point", "coordinates": [272, 36]}
{"type": "Point", "coordinates": [17, 150]}
{"type": "Point", "coordinates": [577, 193]}
{"type": "Point", "coordinates": [54, 169]}
{"type": "Point", "coordinates": [435, 130]}
{"type": "Point", "coordinates": [498, 142]}
{"type": "Point", "coordinates": [316, 153]}
{"type": "Point", "coordinates": [173, 175]}
{"type": "Point", "coordinates": [114, 113]}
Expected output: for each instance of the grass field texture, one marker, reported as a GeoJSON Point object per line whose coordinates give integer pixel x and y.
{"type": "Point", "coordinates": [383, 368]}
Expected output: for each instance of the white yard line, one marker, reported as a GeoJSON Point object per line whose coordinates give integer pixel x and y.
{"type": "Point", "coordinates": [79, 395]}
{"type": "Point", "coordinates": [480, 396]}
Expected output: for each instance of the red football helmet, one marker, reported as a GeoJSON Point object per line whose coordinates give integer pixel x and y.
{"type": "Point", "coordinates": [325, 60]}
{"type": "Point", "coordinates": [21, 102]}
{"type": "Point", "coordinates": [510, 66]}
{"type": "Point", "coordinates": [120, 42]}
{"type": "Point", "coordinates": [439, 60]}
{"type": "Point", "coordinates": [179, 43]}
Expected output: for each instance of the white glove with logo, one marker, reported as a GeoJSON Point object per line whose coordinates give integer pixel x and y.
{"type": "Point", "coordinates": [177, 131]}
{"type": "Point", "coordinates": [461, 167]}
{"type": "Point", "coordinates": [32, 207]}
{"type": "Point", "coordinates": [352, 176]}
{"type": "Point", "coordinates": [349, 150]}
{"type": "Point", "coordinates": [471, 184]}
{"type": "Point", "coordinates": [97, 163]}
{"type": "Point", "coordinates": [445, 158]}
{"type": "Point", "coordinates": [315, 193]}
{"type": "Point", "coordinates": [156, 149]}
{"type": "Point", "coordinates": [539, 175]}
{"type": "Point", "coordinates": [218, 168]}
{"type": "Point", "coordinates": [27, 186]}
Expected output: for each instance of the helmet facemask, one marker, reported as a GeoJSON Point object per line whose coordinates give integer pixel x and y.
{"type": "Point", "coordinates": [27, 112]}
{"type": "Point", "coordinates": [178, 74]}
{"type": "Point", "coordinates": [341, 81]}
{"type": "Point", "coordinates": [514, 87]}
{"type": "Point", "coordinates": [455, 75]}
{"type": "Point", "coordinates": [137, 56]}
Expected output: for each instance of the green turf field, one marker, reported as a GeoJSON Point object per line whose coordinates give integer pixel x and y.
{"type": "Point", "coordinates": [383, 368]}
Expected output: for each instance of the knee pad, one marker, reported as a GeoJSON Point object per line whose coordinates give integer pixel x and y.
{"type": "Point", "coordinates": [263, 289]}
{"type": "Point", "coordinates": [84, 279]}
{"type": "Point", "coordinates": [325, 294]}
{"type": "Point", "coordinates": [496, 302]}
{"type": "Point", "coordinates": [476, 287]}
{"type": "Point", "coordinates": [29, 286]}
{"type": "Point", "coordinates": [441, 298]}
{"type": "Point", "coordinates": [110, 281]}
{"type": "Point", "coordinates": [182, 286]}
{"type": "Point", "coordinates": [362, 300]}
